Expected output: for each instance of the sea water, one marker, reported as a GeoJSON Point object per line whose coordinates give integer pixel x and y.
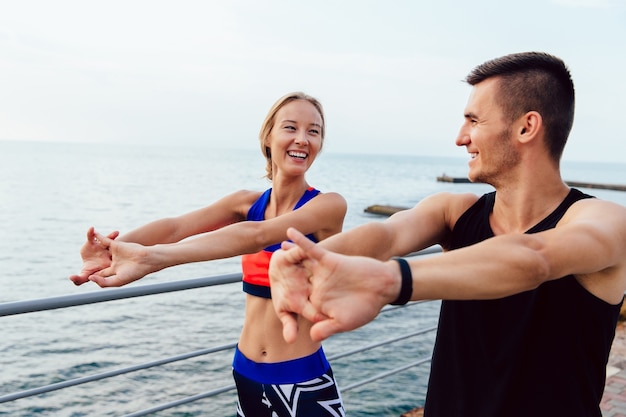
{"type": "Point", "coordinates": [50, 193]}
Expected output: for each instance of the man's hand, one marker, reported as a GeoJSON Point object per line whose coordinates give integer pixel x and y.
{"type": "Point", "coordinates": [95, 257]}
{"type": "Point", "coordinates": [290, 287]}
{"type": "Point", "coordinates": [337, 293]}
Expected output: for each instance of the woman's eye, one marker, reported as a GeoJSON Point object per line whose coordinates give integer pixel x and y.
{"type": "Point", "coordinates": [314, 131]}
{"type": "Point", "coordinates": [289, 128]}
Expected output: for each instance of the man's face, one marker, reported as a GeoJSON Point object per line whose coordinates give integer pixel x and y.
{"type": "Point", "coordinates": [486, 135]}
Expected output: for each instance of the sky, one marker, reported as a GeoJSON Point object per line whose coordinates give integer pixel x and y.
{"type": "Point", "coordinates": [204, 73]}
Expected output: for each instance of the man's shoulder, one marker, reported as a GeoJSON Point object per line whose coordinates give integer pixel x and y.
{"type": "Point", "coordinates": [596, 208]}
{"type": "Point", "coordinates": [459, 203]}
{"type": "Point", "coordinates": [454, 205]}
{"type": "Point", "coordinates": [446, 197]}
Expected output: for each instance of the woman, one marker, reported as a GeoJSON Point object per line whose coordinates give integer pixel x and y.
{"type": "Point", "coordinates": [273, 378]}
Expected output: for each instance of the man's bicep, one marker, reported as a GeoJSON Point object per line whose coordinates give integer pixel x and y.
{"type": "Point", "coordinates": [420, 227]}
{"type": "Point", "coordinates": [591, 239]}
{"type": "Point", "coordinates": [592, 247]}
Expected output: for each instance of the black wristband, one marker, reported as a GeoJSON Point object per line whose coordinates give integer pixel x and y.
{"type": "Point", "coordinates": [406, 290]}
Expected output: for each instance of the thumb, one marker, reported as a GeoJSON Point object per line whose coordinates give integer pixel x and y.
{"type": "Point", "coordinates": [290, 326]}
{"type": "Point", "coordinates": [286, 245]}
{"type": "Point", "coordinates": [103, 277]}
{"type": "Point", "coordinates": [79, 279]}
{"type": "Point", "coordinates": [103, 241]}
{"type": "Point", "coordinates": [311, 249]}
{"type": "Point", "coordinates": [324, 329]}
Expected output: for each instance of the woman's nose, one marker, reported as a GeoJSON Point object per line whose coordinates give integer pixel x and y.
{"type": "Point", "coordinates": [301, 138]}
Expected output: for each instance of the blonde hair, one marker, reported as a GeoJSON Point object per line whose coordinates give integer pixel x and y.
{"type": "Point", "coordinates": [270, 120]}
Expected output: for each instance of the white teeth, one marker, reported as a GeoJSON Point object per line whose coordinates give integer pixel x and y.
{"type": "Point", "coordinates": [297, 154]}
{"type": "Point", "coordinates": [473, 155]}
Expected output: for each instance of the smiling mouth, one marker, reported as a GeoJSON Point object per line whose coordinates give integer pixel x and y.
{"type": "Point", "coordinates": [473, 155]}
{"type": "Point", "coordinates": [299, 155]}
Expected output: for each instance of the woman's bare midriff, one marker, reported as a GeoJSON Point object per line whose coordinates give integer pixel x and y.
{"type": "Point", "coordinates": [262, 334]}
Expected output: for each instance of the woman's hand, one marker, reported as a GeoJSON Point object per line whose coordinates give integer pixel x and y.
{"type": "Point", "coordinates": [128, 262]}
{"type": "Point", "coordinates": [95, 257]}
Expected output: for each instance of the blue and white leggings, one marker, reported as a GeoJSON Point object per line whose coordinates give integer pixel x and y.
{"type": "Point", "coordinates": [303, 387]}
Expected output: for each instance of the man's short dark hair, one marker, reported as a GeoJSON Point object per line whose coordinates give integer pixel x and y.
{"type": "Point", "coordinates": [533, 81]}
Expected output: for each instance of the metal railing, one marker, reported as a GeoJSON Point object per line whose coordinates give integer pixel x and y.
{"type": "Point", "coordinates": [61, 302]}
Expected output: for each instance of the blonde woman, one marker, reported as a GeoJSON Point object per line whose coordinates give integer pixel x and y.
{"type": "Point", "coordinates": [273, 378]}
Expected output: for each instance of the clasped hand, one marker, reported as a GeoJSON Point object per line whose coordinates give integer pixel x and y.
{"type": "Point", "coordinates": [337, 293]}
{"type": "Point", "coordinates": [110, 263]}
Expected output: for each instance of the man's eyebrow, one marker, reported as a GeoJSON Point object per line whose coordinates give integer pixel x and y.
{"type": "Point", "coordinates": [470, 115]}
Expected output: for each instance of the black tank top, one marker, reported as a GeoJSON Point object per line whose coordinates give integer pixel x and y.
{"type": "Point", "coordinates": [538, 353]}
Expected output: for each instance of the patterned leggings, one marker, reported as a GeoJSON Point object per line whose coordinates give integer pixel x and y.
{"type": "Point", "coordinates": [303, 387]}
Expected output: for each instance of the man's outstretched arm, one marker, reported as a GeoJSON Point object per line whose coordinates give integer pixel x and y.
{"type": "Point", "coordinates": [331, 290]}
{"type": "Point", "coordinates": [340, 293]}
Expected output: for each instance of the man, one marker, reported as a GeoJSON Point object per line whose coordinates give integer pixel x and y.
{"type": "Point", "coordinates": [532, 276]}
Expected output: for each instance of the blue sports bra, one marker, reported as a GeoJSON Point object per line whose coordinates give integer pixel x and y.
{"type": "Point", "coordinates": [255, 266]}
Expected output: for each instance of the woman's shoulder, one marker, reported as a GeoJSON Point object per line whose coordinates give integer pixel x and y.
{"type": "Point", "coordinates": [333, 196]}
{"type": "Point", "coordinates": [240, 201]}
{"type": "Point", "coordinates": [330, 200]}
{"type": "Point", "coordinates": [246, 195]}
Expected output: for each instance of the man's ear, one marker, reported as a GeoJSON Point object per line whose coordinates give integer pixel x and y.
{"type": "Point", "coordinates": [529, 126]}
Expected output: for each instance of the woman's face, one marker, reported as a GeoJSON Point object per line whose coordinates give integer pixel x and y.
{"type": "Point", "coordinates": [295, 140]}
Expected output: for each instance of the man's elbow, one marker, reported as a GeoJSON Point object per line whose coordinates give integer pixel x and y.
{"type": "Point", "coordinates": [542, 271]}
{"type": "Point", "coordinates": [538, 265]}
{"type": "Point", "coordinates": [529, 261]}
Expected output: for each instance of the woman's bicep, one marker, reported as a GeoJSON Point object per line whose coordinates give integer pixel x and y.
{"type": "Point", "coordinates": [227, 210]}
{"type": "Point", "coordinates": [322, 216]}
